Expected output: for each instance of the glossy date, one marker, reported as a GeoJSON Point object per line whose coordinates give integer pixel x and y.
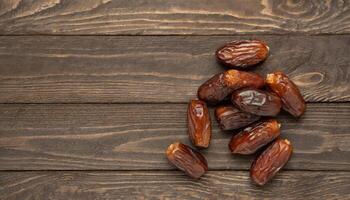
{"type": "Point", "coordinates": [229, 117]}
{"type": "Point", "coordinates": [214, 90]}
{"type": "Point", "coordinates": [254, 137]}
{"type": "Point", "coordinates": [187, 159]}
{"type": "Point", "coordinates": [270, 161]}
{"type": "Point", "coordinates": [242, 54]}
{"type": "Point", "coordinates": [292, 100]}
{"type": "Point", "coordinates": [221, 85]}
{"type": "Point", "coordinates": [257, 102]}
{"type": "Point", "coordinates": [199, 125]}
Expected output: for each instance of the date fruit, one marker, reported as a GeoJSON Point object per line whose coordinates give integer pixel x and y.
{"type": "Point", "coordinates": [254, 137]}
{"type": "Point", "coordinates": [257, 102]}
{"type": "Point", "coordinates": [187, 159]}
{"type": "Point", "coordinates": [221, 85]}
{"type": "Point", "coordinates": [214, 90]}
{"type": "Point", "coordinates": [242, 54]}
{"type": "Point", "coordinates": [270, 161]}
{"type": "Point", "coordinates": [230, 118]}
{"type": "Point", "coordinates": [292, 100]}
{"type": "Point", "coordinates": [199, 125]}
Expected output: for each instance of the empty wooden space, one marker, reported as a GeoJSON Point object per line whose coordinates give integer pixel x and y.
{"type": "Point", "coordinates": [93, 91]}
{"type": "Point", "coordinates": [162, 17]}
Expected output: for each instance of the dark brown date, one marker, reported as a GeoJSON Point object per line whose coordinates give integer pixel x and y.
{"type": "Point", "coordinates": [270, 161]}
{"type": "Point", "coordinates": [214, 90]}
{"type": "Point", "coordinates": [230, 118]}
{"type": "Point", "coordinates": [257, 102]}
{"type": "Point", "coordinates": [242, 54]}
{"type": "Point", "coordinates": [221, 85]}
{"type": "Point", "coordinates": [254, 137]}
{"type": "Point", "coordinates": [187, 159]}
{"type": "Point", "coordinates": [292, 100]}
{"type": "Point", "coordinates": [199, 125]}
{"type": "Point", "coordinates": [236, 79]}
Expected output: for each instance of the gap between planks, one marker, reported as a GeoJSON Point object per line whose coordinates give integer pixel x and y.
{"type": "Point", "coordinates": [163, 170]}
{"type": "Point", "coordinates": [176, 35]}
{"type": "Point", "coordinates": [140, 103]}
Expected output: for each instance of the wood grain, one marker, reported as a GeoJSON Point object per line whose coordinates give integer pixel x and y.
{"type": "Point", "coordinates": [182, 17]}
{"type": "Point", "coordinates": [171, 185]}
{"type": "Point", "coordinates": [135, 137]}
{"type": "Point", "coordinates": [157, 69]}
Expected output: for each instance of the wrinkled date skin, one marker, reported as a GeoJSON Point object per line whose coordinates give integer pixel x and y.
{"type": "Point", "coordinates": [187, 159]}
{"type": "Point", "coordinates": [221, 85]}
{"type": "Point", "coordinates": [199, 125]}
{"type": "Point", "coordinates": [230, 118]}
{"type": "Point", "coordinates": [214, 90]}
{"type": "Point", "coordinates": [257, 102]}
{"type": "Point", "coordinates": [292, 100]}
{"type": "Point", "coordinates": [254, 137]}
{"type": "Point", "coordinates": [242, 54]}
{"type": "Point", "coordinates": [270, 161]}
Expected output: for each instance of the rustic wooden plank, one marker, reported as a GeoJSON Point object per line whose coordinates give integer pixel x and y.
{"type": "Point", "coordinates": [156, 69]}
{"type": "Point", "coordinates": [125, 17]}
{"type": "Point", "coordinates": [135, 137]}
{"type": "Point", "coordinates": [171, 185]}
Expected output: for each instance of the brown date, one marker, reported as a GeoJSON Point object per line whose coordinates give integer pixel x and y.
{"type": "Point", "coordinates": [257, 102]}
{"type": "Point", "coordinates": [199, 125]}
{"type": "Point", "coordinates": [221, 85]}
{"type": "Point", "coordinates": [187, 159]}
{"type": "Point", "coordinates": [270, 161]}
{"type": "Point", "coordinates": [242, 54]}
{"type": "Point", "coordinates": [214, 90]}
{"type": "Point", "coordinates": [230, 118]}
{"type": "Point", "coordinates": [254, 137]}
{"type": "Point", "coordinates": [292, 100]}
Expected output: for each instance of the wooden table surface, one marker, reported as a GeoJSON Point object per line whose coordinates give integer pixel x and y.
{"type": "Point", "coordinates": [93, 91]}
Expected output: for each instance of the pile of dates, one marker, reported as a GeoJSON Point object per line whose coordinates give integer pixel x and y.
{"type": "Point", "coordinates": [255, 100]}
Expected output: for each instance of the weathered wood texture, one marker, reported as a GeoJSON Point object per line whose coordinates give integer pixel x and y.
{"type": "Point", "coordinates": [167, 69]}
{"type": "Point", "coordinates": [135, 137]}
{"type": "Point", "coordinates": [171, 185]}
{"type": "Point", "coordinates": [174, 17]}
{"type": "Point", "coordinates": [157, 69]}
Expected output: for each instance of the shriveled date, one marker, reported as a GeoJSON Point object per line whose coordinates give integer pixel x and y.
{"type": "Point", "coordinates": [254, 137]}
{"type": "Point", "coordinates": [221, 85]}
{"type": "Point", "coordinates": [270, 161]}
{"type": "Point", "coordinates": [242, 54]}
{"type": "Point", "coordinates": [292, 100]}
{"type": "Point", "coordinates": [230, 118]}
{"type": "Point", "coordinates": [199, 125]}
{"type": "Point", "coordinates": [257, 102]}
{"type": "Point", "coordinates": [187, 159]}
